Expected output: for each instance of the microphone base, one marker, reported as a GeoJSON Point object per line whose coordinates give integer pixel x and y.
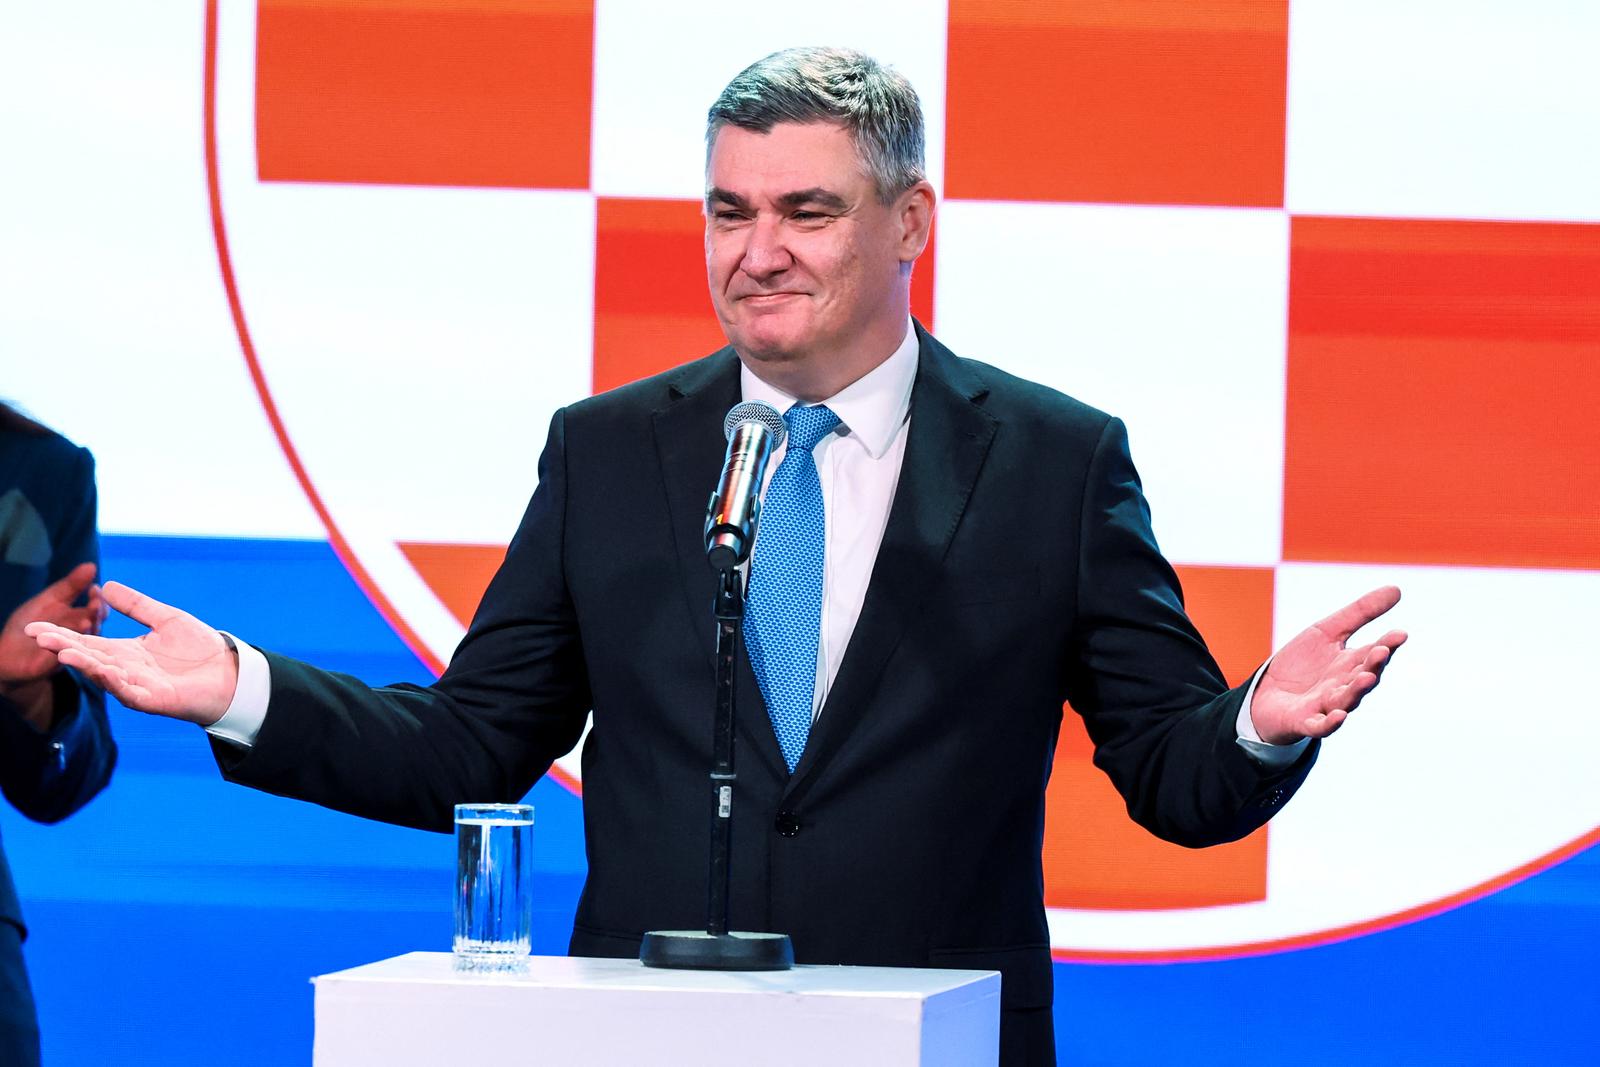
{"type": "Point", "coordinates": [696, 950]}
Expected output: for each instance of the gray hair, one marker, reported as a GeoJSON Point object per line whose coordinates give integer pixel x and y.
{"type": "Point", "coordinates": [876, 104]}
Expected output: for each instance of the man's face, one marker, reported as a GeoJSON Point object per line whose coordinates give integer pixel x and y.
{"type": "Point", "coordinates": [804, 262]}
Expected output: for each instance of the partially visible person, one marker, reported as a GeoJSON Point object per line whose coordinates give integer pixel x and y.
{"type": "Point", "coordinates": [56, 750]}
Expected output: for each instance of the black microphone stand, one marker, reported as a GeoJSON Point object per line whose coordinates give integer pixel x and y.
{"type": "Point", "coordinates": [718, 948]}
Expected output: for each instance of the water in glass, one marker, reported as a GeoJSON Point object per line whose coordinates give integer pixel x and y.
{"type": "Point", "coordinates": [494, 908]}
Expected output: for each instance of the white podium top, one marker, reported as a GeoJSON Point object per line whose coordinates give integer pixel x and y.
{"type": "Point", "coordinates": [417, 1009]}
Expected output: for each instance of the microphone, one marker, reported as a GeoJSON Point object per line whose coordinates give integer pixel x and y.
{"type": "Point", "coordinates": [754, 430]}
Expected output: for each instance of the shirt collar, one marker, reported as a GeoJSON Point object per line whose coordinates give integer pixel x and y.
{"type": "Point", "coordinates": [872, 407]}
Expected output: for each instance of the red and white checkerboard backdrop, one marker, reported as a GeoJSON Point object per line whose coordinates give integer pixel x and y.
{"type": "Point", "coordinates": [1337, 264]}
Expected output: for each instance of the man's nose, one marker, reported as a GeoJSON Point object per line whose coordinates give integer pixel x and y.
{"type": "Point", "coordinates": [766, 254]}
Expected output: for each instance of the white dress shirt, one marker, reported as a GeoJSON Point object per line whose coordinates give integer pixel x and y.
{"type": "Point", "coordinates": [858, 465]}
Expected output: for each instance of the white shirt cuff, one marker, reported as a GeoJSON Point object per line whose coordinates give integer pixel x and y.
{"type": "Point", "coordinates": [1272, 757]}
{"type": "Point", "coordinates": [248, 709]}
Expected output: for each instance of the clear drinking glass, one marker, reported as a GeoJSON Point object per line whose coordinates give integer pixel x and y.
{"type": "Point", "coordinates": [494, 867]}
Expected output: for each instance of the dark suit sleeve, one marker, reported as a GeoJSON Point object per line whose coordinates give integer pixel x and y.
{"type": "Point", "coordinates": [48, 776]}
{"type": "Point", "coordinates": [1155, 704]}
{"type": "Point", "coordinates": [513, 699]}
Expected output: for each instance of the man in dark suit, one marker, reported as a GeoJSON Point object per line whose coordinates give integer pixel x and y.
{"type": "Point", "coordinates": [56, 750]}
{"type": "Point", "coordinates": [947, 553]}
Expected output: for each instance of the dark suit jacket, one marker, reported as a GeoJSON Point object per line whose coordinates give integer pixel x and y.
{"type": "Point", "coordinates": [47, 527]}
{"type": "Point", "coordinates": [1017, 571]}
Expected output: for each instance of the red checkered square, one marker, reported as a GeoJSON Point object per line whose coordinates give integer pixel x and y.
{"type": "Point", "coordinates": [427, 92]}
{"type": "Point", "coordinates": [1149, 102]}
{"type": "Point", "coordinates": [1094, 856]}
{"type": "Point", "coordinates": [651, 309]}
{"type": "Point", "coordinates": [1443, 384]}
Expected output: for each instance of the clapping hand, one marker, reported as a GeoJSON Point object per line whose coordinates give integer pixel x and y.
{"type": "Point", "coordinates": [25, 668]}
{"type": "Point", "coordinates": [22, 661]}
{"type": "Point", "coordinates": [182, 668]}
{"type": "Point", "coordinates": [1315, 681]}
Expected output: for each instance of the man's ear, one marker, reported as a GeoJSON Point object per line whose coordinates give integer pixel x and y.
{"type": "Point", "coordinates": [914, 208]}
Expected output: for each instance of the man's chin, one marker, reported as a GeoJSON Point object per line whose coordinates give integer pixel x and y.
{"type": "Point", "coordinates": [768, 346]}
{"type": "Point", "coordinates": [766, 354]}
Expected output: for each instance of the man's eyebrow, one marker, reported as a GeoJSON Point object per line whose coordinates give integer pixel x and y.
{"type": "Point", "coordinates": [716, 195]}
{"type": "Point", "coordinates": [816, 195]}
{"type": "Point", "coordinates": [788, 201]}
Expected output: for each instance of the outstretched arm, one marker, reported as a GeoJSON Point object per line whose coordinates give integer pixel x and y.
{"type": "Point", "coordinates": [1161, 715]}
{"type": "Point", "coordinates": [513, 699]}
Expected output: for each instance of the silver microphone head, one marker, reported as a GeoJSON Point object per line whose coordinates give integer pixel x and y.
{"type": "Point", "coordinates": [755, 411]}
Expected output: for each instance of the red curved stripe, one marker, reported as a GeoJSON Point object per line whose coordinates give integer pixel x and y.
{"type": "Point", "coordinates": [341, 547]}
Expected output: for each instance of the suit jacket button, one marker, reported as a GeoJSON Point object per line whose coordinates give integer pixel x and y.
{"type": "Point", "coordinates": [787, 823]}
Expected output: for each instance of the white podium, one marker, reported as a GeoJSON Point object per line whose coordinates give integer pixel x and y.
{"type": "Point", "coordinates": [417, 1010]}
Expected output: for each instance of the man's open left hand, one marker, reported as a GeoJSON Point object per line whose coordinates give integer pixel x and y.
{"type": "Point", "coordinates": [1315, 681]}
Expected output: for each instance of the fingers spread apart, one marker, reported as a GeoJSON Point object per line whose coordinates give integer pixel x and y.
{"type": "Point", "coordinates": [136, 605]}
{"type": "Point", "coordinates": [53, 638]}
{"type": "Point", "coordinates": [1324, 724]}
{"type": "Point", "coordinates": [1346, 698]}
{"type": "Point", "coordinates": [129, 686]}
{"type": "Point", "coordinates": [1352, 617]}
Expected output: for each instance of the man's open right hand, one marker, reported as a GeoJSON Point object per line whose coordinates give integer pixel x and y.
{"type": "Point", "coordinates": [182, 668]}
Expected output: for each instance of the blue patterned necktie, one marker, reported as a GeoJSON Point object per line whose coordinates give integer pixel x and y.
{"type": "Point", "coordinates": [783, 614]}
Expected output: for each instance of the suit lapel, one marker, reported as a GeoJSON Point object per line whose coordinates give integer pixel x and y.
{"type": "Point", "coordinates": [690, 450]}
{"type": "Point", "coordinates": [690, 447]}
{"type": "Point", "coordinates": [949, 438]}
